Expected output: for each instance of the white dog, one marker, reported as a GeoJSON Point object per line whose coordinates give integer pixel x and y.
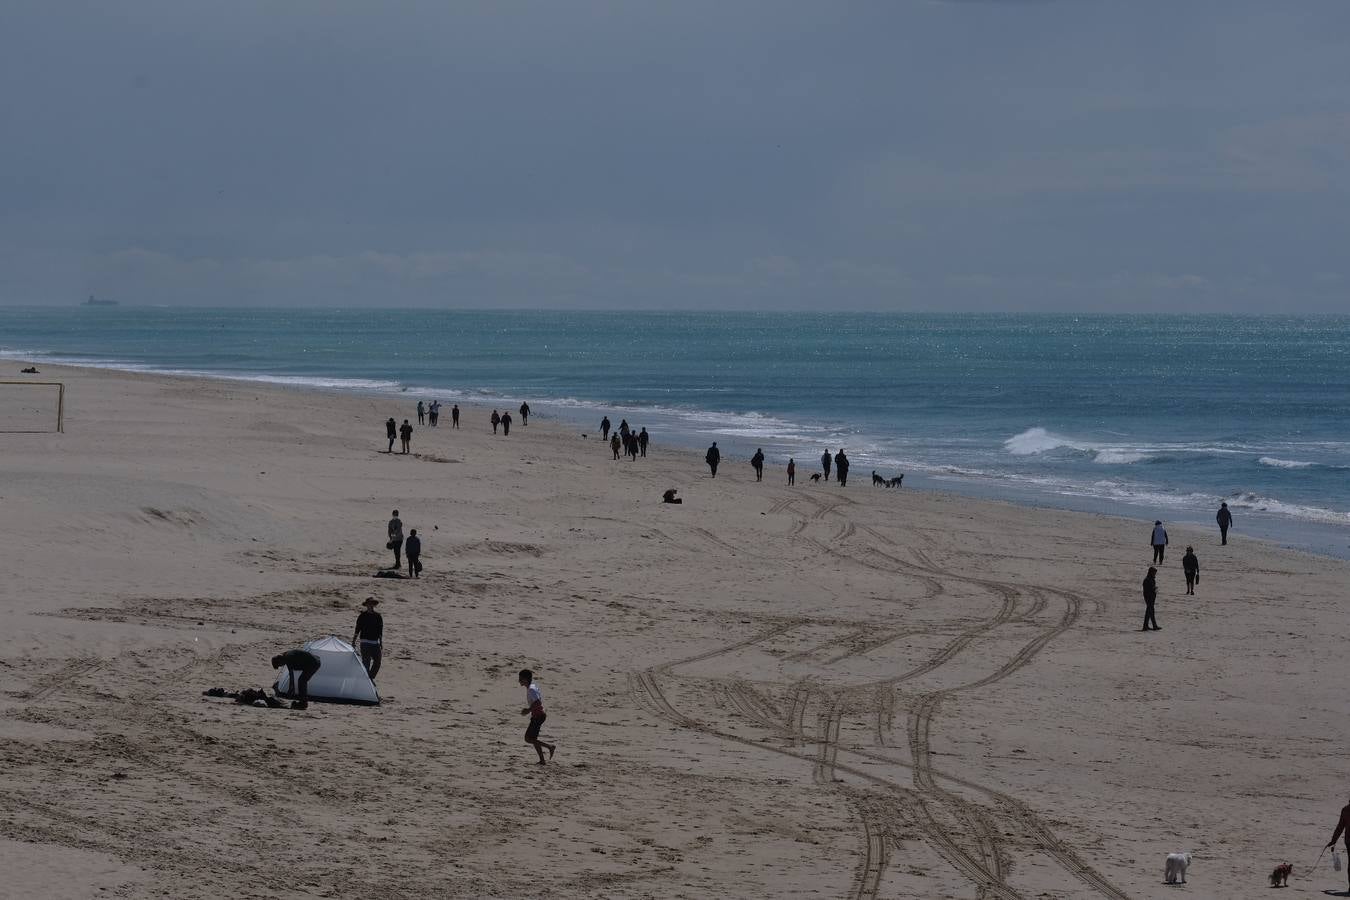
{"type": "Point", "coordinates": [1177, 864]}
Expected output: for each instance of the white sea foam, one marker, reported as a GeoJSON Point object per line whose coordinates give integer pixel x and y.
{"type": "Point", "coordinates": [1285, 463]}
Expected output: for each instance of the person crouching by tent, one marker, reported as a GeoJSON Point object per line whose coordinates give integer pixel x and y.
{"type": "Point", "coordinates": [302, 664]}
{"type": "Point", "coordinates": [369, 637]}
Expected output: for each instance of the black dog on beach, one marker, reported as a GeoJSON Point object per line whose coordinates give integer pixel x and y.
{"type": "Point", "coordinates": [815, 476]}
{"type": "Point", "coordinates": [895, 482]}
{"type": "Point", "coordinates": [878, 481]}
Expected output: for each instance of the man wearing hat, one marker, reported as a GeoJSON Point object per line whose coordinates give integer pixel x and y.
{"type": "Point", "coordinates": [369, 636]}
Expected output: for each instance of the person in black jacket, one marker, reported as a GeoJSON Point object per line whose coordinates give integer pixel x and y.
{"type": "Point", "coordinates": [391, 431]}
{"type": "Point", "coordinates": [369, 637]}
{"type": "Point", "coordinates": [298, 663]}
{"type": "Point", "coordinates": [1225, 520]}
{"type": "Point", "coordinates": [604, 428]}
{"type": "Point", "coordinates": [758, 462]}
{"type": "Point", "coordinates": [642, 440]}
{"type": "Point", "coordinates": [524, 414]}
{"type": "Point", "coordinates": [1150, 597]}
{"type": "Point", "coordinates": [841, 468]}
{"type": "Point", "coordinates": [413, 550]}
{"type": "Point", "coordinates": [713, 457]}
{"type": "Point", "coordinates": [825, 463]}
{"type": "Point", "coordinates": [1190, 564]}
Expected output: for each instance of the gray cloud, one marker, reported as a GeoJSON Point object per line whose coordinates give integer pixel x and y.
{"type": "Point", "coordinates": [758, 155]}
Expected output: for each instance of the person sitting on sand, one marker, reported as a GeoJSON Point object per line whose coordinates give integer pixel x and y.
{"type": "Point", "coordinates": [299, 663]}
{"type": "Point", "coordinates": [534, 708]}
{"type": "Point", "coordinates": [669, 496]}
{"type": "Point", "coordinates": [369, 637]}
{"type": "Point", "coordinates": [1190, 564]}
{"type": "Point", "coordinates": [405, 434]}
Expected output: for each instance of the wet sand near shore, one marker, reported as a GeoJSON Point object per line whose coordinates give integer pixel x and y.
{"type": "Point", "coordinates": [764, 692]}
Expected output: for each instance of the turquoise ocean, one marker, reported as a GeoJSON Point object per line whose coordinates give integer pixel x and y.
{"type": "Point", "coordinates": [1142, 416]}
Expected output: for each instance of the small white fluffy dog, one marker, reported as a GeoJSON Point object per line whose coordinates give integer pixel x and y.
{"type": "Point", "coordinates": [1177, 864]}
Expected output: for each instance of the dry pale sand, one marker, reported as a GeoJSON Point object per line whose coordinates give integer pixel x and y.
{"type": "Point", "coordinates": [765, 692]}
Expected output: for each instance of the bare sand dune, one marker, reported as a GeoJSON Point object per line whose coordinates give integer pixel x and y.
{"type": "Point", "coordinates": [766, 692]}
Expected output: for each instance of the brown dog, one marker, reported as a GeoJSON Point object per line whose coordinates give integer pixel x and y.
{"type": "Point", "coordinates": [1280, 877]}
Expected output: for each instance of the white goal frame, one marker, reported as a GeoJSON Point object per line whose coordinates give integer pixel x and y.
{"type": "Point", "coordinates": [60, 406]}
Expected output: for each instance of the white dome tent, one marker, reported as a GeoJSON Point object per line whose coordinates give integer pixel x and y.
{"type": "Point", "coordinates": [341, 677]}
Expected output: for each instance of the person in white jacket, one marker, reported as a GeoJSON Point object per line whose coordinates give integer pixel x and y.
{"type": "Point", "coordinates": [1159, 542]}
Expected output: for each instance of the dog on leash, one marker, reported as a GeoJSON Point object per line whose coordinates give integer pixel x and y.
{"type": "Point", "coordinates": [1175, 870]}
{"type": "Point", "coordinates": [895, 482]}
{"type": "Point", "coordinates": [1280, 877]}
{"type": "Point", "coordinates": [877, 480]}
{"type": "Point", "coordinates": [815, 476]}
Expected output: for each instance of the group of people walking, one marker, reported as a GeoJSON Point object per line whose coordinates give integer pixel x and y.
{"type": "Point", "coordinates": [1190, 564]}
{"type": "Point", "coordinates": [631, 443]}
{"type": "Point", "coordinates": [840, 462]}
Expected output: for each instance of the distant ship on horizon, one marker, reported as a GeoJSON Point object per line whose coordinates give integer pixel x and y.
{"type": "Point", "coordinates": [94, 302]}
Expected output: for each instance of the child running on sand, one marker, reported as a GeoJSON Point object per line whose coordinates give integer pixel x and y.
{"type": "Point", "coordinates": [534, 708]}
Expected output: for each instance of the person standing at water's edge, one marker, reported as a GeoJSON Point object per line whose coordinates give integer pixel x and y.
{"type": "Point", "coordinates": [713, 457]}
{"type": "Point", "coordinates": [413, 550]}
{"type": "Point", "coordinates": [369, 637]}
{"type": "Point", "coordinates": [1190, 564]}
{"type": "Point", "coordinates": [405, 434]}
{"type": "Point", "coordinates": [454, 416]}
{"type": "Point", "coordinates": [421, 413]}
{"type": "Point", "coordinates": [1150, 598]}
{"type": "Point", "coordinates": [496, 420]}
{"type": "Point", "coordinates": [604, 428]}
{"type": "Point", "coordinates": [642, 440]}
{"type": "Point", "coordinates": [757, 461]}
{"type": "Point", "coordinates": [524, 414]}
{"type": "Point", "coordinates": [534, 708]}
{"type": "Point", "coordinates": [825, 464]}
{"type": "Point", "coordinates": [792, 472]}
{"type": "Point", "coordinates": [395, 532]}
{"type": "Point", "coordinates": [1225, 520]}
{"type": "Point", "coordinates": [841, 468]}
{"type": "Point", "coordinates": [506, 423]}
{"type": "Point", "coordinates": [391, 431]}
{"type": "Point", "coordinates": [1159, 542]}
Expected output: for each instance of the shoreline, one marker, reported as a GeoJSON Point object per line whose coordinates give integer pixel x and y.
{"type": "Point", "coordinates": [1324, 539]}
{"type": "Point", "coordinates": [750, 691]}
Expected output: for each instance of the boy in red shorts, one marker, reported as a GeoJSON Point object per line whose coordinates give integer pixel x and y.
{"type": "Point", "coordinates": [534, 708]}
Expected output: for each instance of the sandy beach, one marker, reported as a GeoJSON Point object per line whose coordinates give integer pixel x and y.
{"type": "Point", "coordinates": [764, 692]}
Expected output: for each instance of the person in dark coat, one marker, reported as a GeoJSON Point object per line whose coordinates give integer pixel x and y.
{"type": "Point", "coordinates": [758, 462]}
{"type": "Point", "coordinates": [825, 464]}
{"type": "Point", "coordinates": [506, 423]}
{"type": "Point", "coordinates": [1190, 564]}
{"type": "Point", "coordinates": [524, 414]}
{"type": "Point", "coordinates": [300, 666]}
{"type": "Point", "coordinates": [1150, 597]}
{"type": "Point", "coordinates": [413, 550]}
{"type": "Point", "coordinates": [642, 440]}
{"type": "Point", "coordinates": [391, 431]}
{"type": "Point", "coordinates": [713, 457]}
{"type": "Point", "coordinates": [614, 443]}
{"type": "Point", "coordinates": [792, 472]}
{"type": "Point", "coordinates": [369, 637]}
{"type": "Point", "coordinates": [421, 413]}
{"type": "Point", "coordinates": [454, 416]}
{"type": "Point", "coordinates": [604, 428]}
{"type": "Point", "coordinates": [395, 543]}
{"type": "Point", "coordinates": [1225, 520]}
{"type": "Point", "coordinates": [841, 468]}
{"type": "Point", "coordinates": [405, 436]}
{"type": "Point", "coordinates": [496, 420]}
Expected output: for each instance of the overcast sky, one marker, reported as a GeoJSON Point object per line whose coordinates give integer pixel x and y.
{"type": "Point", "coordinates": [908, 154]}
